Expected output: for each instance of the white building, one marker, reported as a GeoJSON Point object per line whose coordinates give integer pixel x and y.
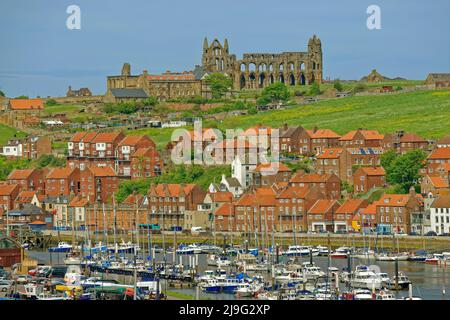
{"type": "Point", "coordinates": [440, 215]}
{"type": "Point", "coordinates": [241, 168]}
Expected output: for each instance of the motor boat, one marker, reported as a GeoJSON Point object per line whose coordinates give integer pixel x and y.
{"type": "Point", "coordinates": [323, 251]}
{"type": "Point", "coordinates": [61, 247]}
{"type": "Point", "coordinates": [312, 272]}
{"type": "Point", "coordinates": [385, 295]}
{"type": "Point", "coordinates": [301, 251]}
{"type": "Point", "coordinates": [218, 261]}
{"type": "Point", "coordinates": [434, 259]}
{"type": "Point", "coordinates": [392, 257]}
{"type": "Point", "coordinates": [340, 253]}
{"type": "Point", "coordinates": [366, 279]}
{"type": "Point", "coordinates": [362, 294]}
{"type": "Point", "coordinates": [402, 283]}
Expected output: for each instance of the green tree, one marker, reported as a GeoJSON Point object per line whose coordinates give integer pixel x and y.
{"type": "Point", "coordinates": [22, 97]}
{"type": "Point", "coordinates": [388, 158]}
{"type": "Point", "coordinates": [2, 94]}
{"type": "Point", "coordinates": [314, 90]}
{"type": "Point", "coordinates": [277, 92]}
{"type": "Point", "coordinates": [219, 83]}
{"type": "Point", "coordinates": [338, 85]}
{"type": "Point", "coordinates": [51, 102]}
{"type": "Point", "coordinates": [403, 171]}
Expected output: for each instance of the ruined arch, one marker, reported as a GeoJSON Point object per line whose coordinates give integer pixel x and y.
{"type": "Point", "coordinates": [302, 80]}
{"type": "Point", "coordinates": [243, 67]}
{"type": "Point", "coordinates": [281, 78]}
{"type": "Point", "coordinates": [242, 81]}
{"type": "Point", "coordinates": [262, 80]}
{"type": "Point", "coordinates": [271, 79]}
{"type": "Point", "coordinates": [292, 79]}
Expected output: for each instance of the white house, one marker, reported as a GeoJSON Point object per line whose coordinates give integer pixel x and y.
{"type": "Point", "coordinates": [440, 215]}
{"type": "Point", "coordinates": [241, 170]}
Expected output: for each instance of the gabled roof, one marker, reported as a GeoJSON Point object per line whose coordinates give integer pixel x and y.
{"type": "Point", "coordinates": [78, 201]}
{"type": "Point", "coordinates": [441, 202]}
{"type": "Point", "coordinates": [440, 153]}
{"type": "Point", "coordinates": [26, 104]}
{"type": "Point", "coordinates": [20, 174]}
{"type": "Point", "coordinates": [143, 152]}
{"type": "Point", "coordinates": [322, 206]}
{"type": "Point", "coordinates": [352, 206]}
{"type": "Point", "coordinates": [370, 209]}
{"type": "Point", "coordinates": [233, 182]}
{"type": "Point", "coordinates": [411, 137]}
{"type": "Point", "coordinates": [289, 131]}
{"type": "Point", "coordinates": [221, 196]}
{"type": "Point", "coordinates": [367, 134]}
{"type": "Point", "coordinates": [324, 134]}
{"type": "Point", "coordinates": [60, 173]}
{"type": "Point", "coordinates": [225, 209]}
{"type": "Point", "coordinates": [106, 137]}
{"type": "Point", "coordinates": [439, 76]}
{"type": "Point", "coordinates": [174, 189]}
{"type": "Point", "coordinates": [330, 153]}
{"type": "Point", "coordinates": [444, 140]}
{"type": "Point", "coordinates": [271, 168]}
{"type": "Point", "coordinates": [393, 200]}
{"type": "Point", "coordinates": [373, 171]}
{"type": "Point", "coordinates": [131, 199]}
{"type": "Point", "coordinates": [7, 189]}
{"type": "Point", "coordinates": [131, 140]}
{"type": "Point", "coordinates": [102, 171]}
{"type": "Point", "coordinates": [438, 182]}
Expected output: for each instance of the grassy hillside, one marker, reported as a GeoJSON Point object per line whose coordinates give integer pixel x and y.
{"type": "Point", "coordinates": [426, 113]}
{"type": "Point", "coordinates": [7, 133]}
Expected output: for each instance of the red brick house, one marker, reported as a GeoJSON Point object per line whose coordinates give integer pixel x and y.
{"type": "Point", "coordinates": [367, 178]}
{"type": "Point", "coordinates": [361, 138]}
{"type": "Point", "coordinates": [28, 179]}
{"type": "Point", "coordinates": [321, 215]}
{"type": "Point", "coordinates": [332, 161]}
{"type": "Point", "coordinates": [328, 185]}
{"type": "Point", "coordinates": [322, 139]}
{"type": "Point", "coordinates": [439, 155]}
{"type": "Point", "coordinates": [146, 162]}
{"type": "Point", "coordinates": [345, 214]}
{"type": "Point", "coordinates": [8, 194]}
{"type": "Point", "coordinates": [127, 147]}
{"type": "Point", "coordinates": [62, 182]}
{"type": "Point", "coordinates": [410, 141]}
{"type": "Point", "coordinates": [98, 183]}
{"type": "Point", "coordinates": [289, 139]}
{"type": "Point", "coordinates": [264, 175]}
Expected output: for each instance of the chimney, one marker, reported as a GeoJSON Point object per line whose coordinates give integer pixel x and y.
{"type": "Point", "coordinates": [315, 129]}
{"type": "Point", "coordinates": [285, 126]}
{"type": "Point", "coordinates": [412, 191]}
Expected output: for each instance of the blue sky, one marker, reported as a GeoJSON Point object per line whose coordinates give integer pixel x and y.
{"type": "Point", "coordinates": [40, 56]}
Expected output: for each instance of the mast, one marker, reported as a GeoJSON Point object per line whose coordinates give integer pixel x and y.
{"type": "Point", "coordinates": [105, 231]}
{"type": "Point", "coordinates": [114, 225]}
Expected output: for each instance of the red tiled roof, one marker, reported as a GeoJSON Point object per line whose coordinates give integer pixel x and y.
{"type": "Point", "coordinates": [222, 196]}
{"type": "Point", "coordinates": [373, 171]}
{"type": "Point", "coordinates": [272, 168]}
{"type": "Point", "coordinates": [26, 104]}
{"type": "Point", "coordinates": [367, 134]}
{"type": "Point", "coordinates": [103, 171]}
{"type": "Point", "coordinates": [330, 153]}
{"type": "Point", "coordinates": [7, 189]}
{"type": "Point", "coordinates": [131, 199]}
{"type": "Point", "coordinates": [20, 174]}
{"type": "Point", "coordinates": [78, 201]}
{"type": "Point", "coordinates": [438, 182]}
{"type": "Point", "coordinates": [393, 200]}
{"type": "Point", "coordinates": [225, 209]}
{"type": "Point", "coordinates": [60, 173]}
{"type": "Point", "coordinates": [131, 140]}
{"type": "Point", "coordinates": [77, 136]}
{"type": "Point", "coordinates": [294, 192]}
{"type": "Point", "coordinates": [310, 177]}
{"type": "Point", "coordinates": [105, 137]}
{"type": "Point", "coordinates": [411, 137]}
{"type": "Point", "coordinates": [258, 130]}
{"type": "Point", "coordinates": [351, 206]}
{"type": "Point", "coordinates": [322, 206]}
{"type": "Point", "coordinates": [440, 153]}
{"type": "Point", "coordinates": [370, 209]}
{"type": "Point", "coordinates": [144, 152]}
{"type": "Point", "coordinates": [324, 134]}
{"type": "Point", "coordinates": [174, 189]}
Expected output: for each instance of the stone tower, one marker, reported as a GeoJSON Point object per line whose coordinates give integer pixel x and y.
{"type": "Point", "coordinates": [315, 60]}
{"type": "Point", "coordinates": [216, 57]}
{"type": "Point", "coordinates": [126, 69]}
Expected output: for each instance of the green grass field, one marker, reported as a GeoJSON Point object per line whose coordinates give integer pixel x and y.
{"type": "Point", "coordinates": [62, 108]}
{"type": "Point", "coordinates": [7, 133]}
{"type": "Point", "coordinates": [426, 113]}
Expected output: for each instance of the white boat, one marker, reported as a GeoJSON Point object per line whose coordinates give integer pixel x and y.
{"type": "Point", "coordinates": [392, 257]}
{"type": "Point", "coordinates": [402, 283]}
{"type": "Point", "coordinates": [366, 280]}
{"type": "Point", "coordinates": [312, 272]}
{"type": "Point", "coordinates": [292, 277]}
{"type": "Point", "coordinates": [61, 247]}
{"type": "Point", "coordinates": [364, 254]}
{"type": "Point", "coordinates": [362, 294]}
{"type": "Point", "coordinates": [301, 251]}
{"type": "Point", "coordinates": [218, 261]}
{"type": "Point", "coordinates": [340, 253]}
{"type": "Point", "coordinates": [385, 295]}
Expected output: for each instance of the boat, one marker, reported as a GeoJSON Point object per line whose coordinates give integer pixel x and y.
{"type": "Point", "coordinates": [434, 259]}
{"type": "Point", "coordinates": [323, 251]}
{"type": "Point", "coordinates": [385, 295]}
{"type": "Point", "coordinates": [362, 294]}
{"type": "Point", "coordinates": [392, 257]}
{"type": "Point", "coordinates": [340, 253]}
{"type": "Point", "coordinates": [364, 254]}
{"type": "Point", "coordinates": [312, 272]}
{"type": "Point", "coordinates": [211, 286]}
{"type": "Point", "coordinates": [124, 248]}
{"type": "Point", "coordinates": [402, 284]}
{"type": "Point", "coordinates": [61, 247]}
{"type": "Point", "coordinates": [301, 251]}
{"type": "Point", "coordinates": [217, 260]}
{"type": "Point", "coordinates": [366, 279]}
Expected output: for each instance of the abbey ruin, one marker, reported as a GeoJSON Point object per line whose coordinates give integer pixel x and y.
{"type": "Point", "coordinates": [253, 71]}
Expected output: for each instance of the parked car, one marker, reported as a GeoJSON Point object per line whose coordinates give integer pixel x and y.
{"type": "Point", "coordinates": [23, 278]}
{"type": "Point", "coordinates": [445, 234]}
{"type": "Point", "coordinates": [5, 285]}
{"type": "Point", "coordinates": [430, 234]}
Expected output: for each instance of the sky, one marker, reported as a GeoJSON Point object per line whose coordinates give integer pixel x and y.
{"type": "Point", "coordinates": [40, 56]}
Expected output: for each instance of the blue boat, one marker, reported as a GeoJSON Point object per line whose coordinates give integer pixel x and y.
{"type": "Point", "coordinates": [62, 247]}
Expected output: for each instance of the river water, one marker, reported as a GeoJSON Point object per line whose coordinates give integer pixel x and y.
{"type": "Point", "coordinates": [430, 282]}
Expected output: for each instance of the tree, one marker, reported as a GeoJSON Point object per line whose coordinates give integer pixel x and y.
{"type": "Point", "coordinates": [22, 97]}
{"type": "Point", "coordinates": [219, 83]}
{"type": "Point", "coordinates": [2, 94]}
{"type": "Point", "coordinates": [314, 90]}
{"type": "Point", "coordinates": [277, 92]}
{"type": "Point", "coordinates": [403, 170]}
{"type": "Point", "coordinates": [387, 158]}
{"type": "Point", "coordinates": [51, 102]}
{"type": "Point", "coordinates": [338, 85]}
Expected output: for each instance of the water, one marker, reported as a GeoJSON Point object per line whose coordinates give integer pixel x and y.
{"type": "Point", "coordinates": [428, 280]}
